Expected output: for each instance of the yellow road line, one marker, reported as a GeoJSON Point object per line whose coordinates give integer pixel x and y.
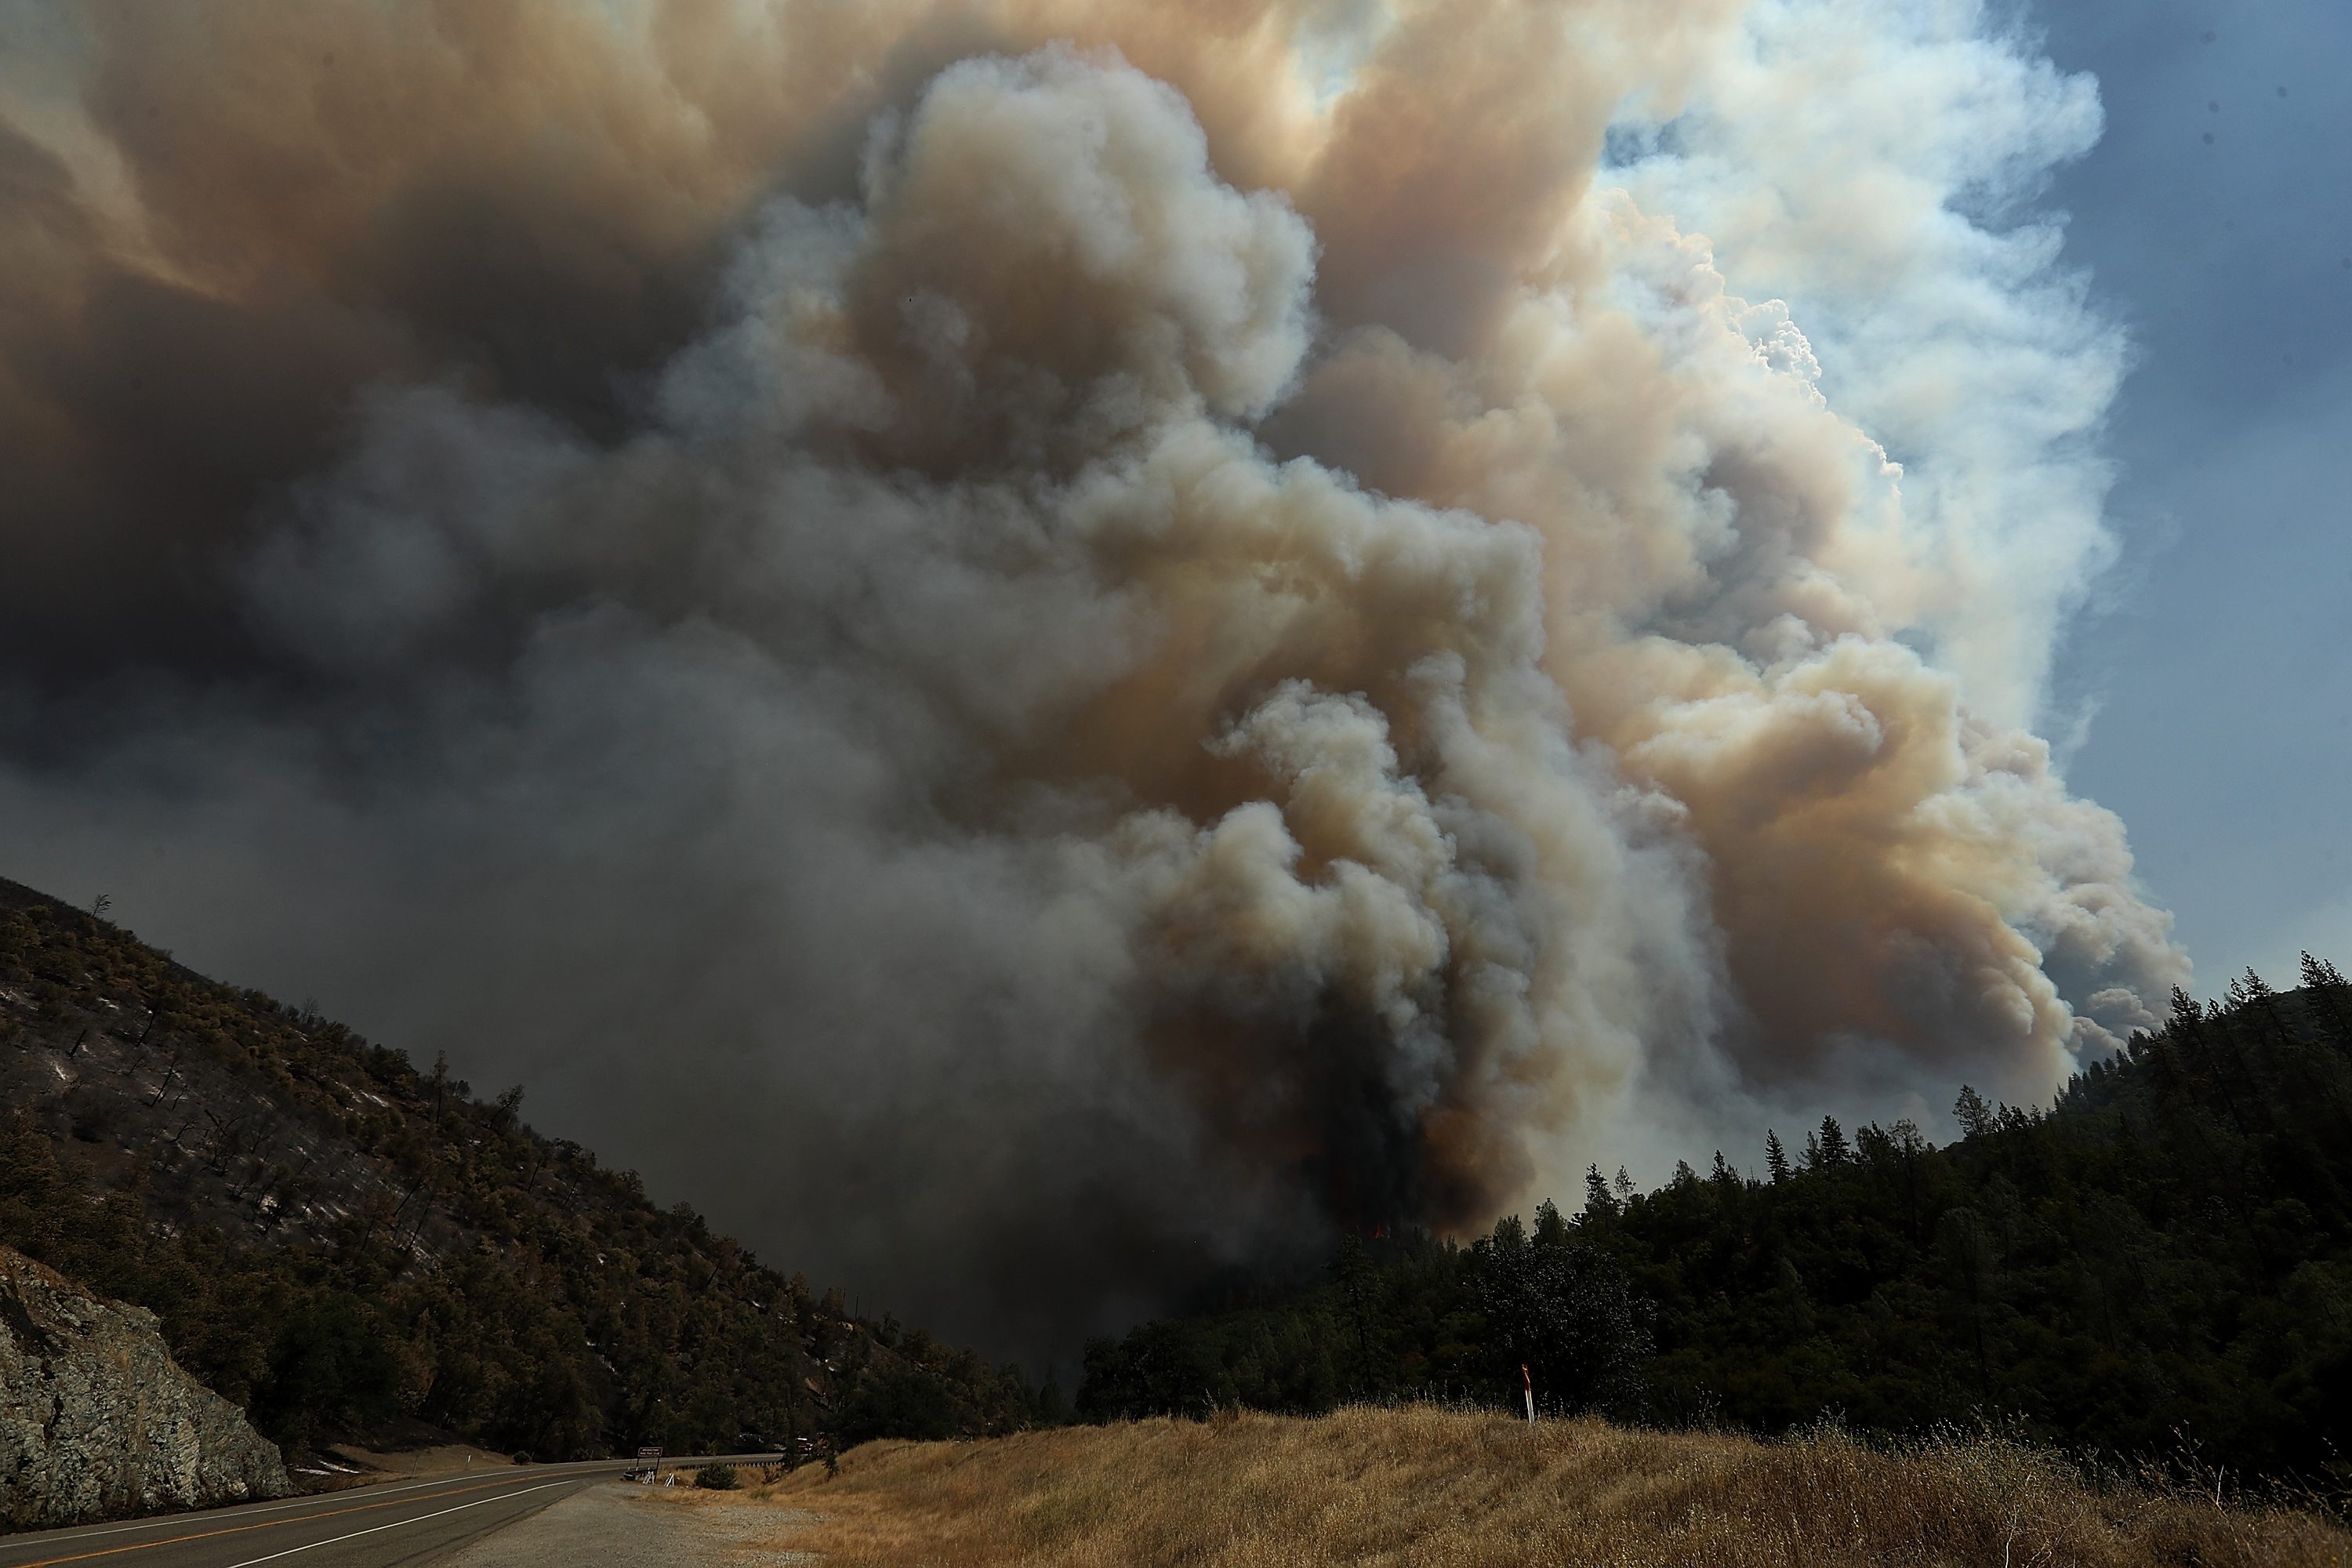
{"type": "Point", "coordinates": [396, 1524]}
{"type": "Point", "coordinates": [265, 1524]}
{"type": "Point", "coordinates": [241, 1510]}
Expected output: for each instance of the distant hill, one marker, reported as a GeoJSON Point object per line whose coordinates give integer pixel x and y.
{"type": "Point", "coordinates": [336, 1241]}
{"type": "Point", "coordinates": [2157, 1267]}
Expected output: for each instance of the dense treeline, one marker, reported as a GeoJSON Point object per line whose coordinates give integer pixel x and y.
{"type": "Point", "coordinates": [2165, 1252]}
{"type": "Point", "coordinates": [2164, 1256]}
{"type": "Point", "coordinates": [563, 1314]}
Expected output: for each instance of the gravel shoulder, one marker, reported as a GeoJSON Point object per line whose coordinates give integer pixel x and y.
{"type": "Point", "coordinates": [620, 1525]}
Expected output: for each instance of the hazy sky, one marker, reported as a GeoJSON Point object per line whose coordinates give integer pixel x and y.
{"type": "Point", "coordinates": [2216, 665]}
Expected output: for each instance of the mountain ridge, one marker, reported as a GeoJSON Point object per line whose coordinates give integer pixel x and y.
{"type": "Point", "coordinates": [333, 1237]}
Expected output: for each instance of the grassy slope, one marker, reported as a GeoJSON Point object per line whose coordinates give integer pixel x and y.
{"type": "Point", "coordinates": [1426, 1485]}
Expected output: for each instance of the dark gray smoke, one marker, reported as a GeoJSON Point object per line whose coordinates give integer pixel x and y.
{"type": "Point", "coordinates": [1032, 675]}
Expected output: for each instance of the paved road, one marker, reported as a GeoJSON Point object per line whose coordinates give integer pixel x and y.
{"type": "Point", "coordinates": [405, 1523]}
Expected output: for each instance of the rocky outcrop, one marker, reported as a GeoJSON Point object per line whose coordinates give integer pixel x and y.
{"type": "Point", "coordinates": [96, 1422]}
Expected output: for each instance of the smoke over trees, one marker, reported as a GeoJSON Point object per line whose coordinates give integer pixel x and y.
{"type": "Point", "coordinates": [1100, 635]}
{"type": "Point", "coordinates": [2152, 1272]}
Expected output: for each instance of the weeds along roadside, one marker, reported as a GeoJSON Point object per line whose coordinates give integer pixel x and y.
{"type": "Point", "coordinates": [1426, 1484]}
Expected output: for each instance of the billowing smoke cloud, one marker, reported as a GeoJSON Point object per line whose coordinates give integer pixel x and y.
{"type": "Point", "coordinates": [1032, 647]}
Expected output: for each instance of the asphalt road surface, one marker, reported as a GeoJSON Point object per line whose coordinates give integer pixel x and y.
{"type": "Point", "coordinates": [404, 1524]}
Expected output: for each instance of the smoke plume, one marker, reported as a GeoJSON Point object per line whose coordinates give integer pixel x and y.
{"type": "Point", "coordinates": [1034, 648]}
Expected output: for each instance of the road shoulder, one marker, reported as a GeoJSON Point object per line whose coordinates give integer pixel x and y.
{"type": "Point", "coordinates": [615, 1524]}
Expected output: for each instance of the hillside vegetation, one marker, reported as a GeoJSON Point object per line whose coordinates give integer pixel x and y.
{"type": "Point", "coordinates": [1468, 1489]}
{"type": "Point", "coordinates": [334, 1238]}
{"type": "Point", "coordinates": [2158, 1265]}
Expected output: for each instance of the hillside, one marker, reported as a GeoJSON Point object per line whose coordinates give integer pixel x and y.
{"type": "Point", "coordinates": [2159, 1263]}
{"type": "Point", "coordinates": [1473, 1490]}
{"type": "Point", "coordinates": [334, 1239]}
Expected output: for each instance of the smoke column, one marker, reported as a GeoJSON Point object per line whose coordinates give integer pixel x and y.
{"type": "Point", "coordinates": [1035, 649]}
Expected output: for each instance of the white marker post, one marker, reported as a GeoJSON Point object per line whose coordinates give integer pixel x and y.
{"type": "Point", "coordinates": [1528, 1384]}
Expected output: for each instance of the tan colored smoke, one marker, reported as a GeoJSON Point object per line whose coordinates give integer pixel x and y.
{"type": "Point", "coordinates": [1193, 567]}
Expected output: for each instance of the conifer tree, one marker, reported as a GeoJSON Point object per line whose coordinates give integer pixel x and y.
{"type": "Point", "coordinates": [1775, 1159]}
{"type": "Point", "coordinates": [2217, 1024]}
{"type": "Point", "coordinates": [1599, 1205]}
{"type": "Point", "coordinates": [2325, 983]}
{"type": "Point", "coordinates": [1354, 1272]}
{"type": "Point", "coordinates": [1975, 1117]}
{"type": "Point", "coordinates": [1836, 1151]}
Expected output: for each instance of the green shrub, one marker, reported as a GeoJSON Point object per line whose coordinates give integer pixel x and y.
{"type": "Point", "coordinates": [715, 1478]}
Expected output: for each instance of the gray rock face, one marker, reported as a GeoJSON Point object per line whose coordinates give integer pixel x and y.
{"type": "Point", "coordinates": [96, 1422]}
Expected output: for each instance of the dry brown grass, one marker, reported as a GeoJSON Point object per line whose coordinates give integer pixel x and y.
{"type": "Point", "coordinates": [1436, 1487]}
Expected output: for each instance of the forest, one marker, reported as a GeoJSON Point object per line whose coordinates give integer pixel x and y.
{"type": "Point", "coordinates": [2158, 1263]}
{"type": "Point", "coordinates": [2158, 1266]}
